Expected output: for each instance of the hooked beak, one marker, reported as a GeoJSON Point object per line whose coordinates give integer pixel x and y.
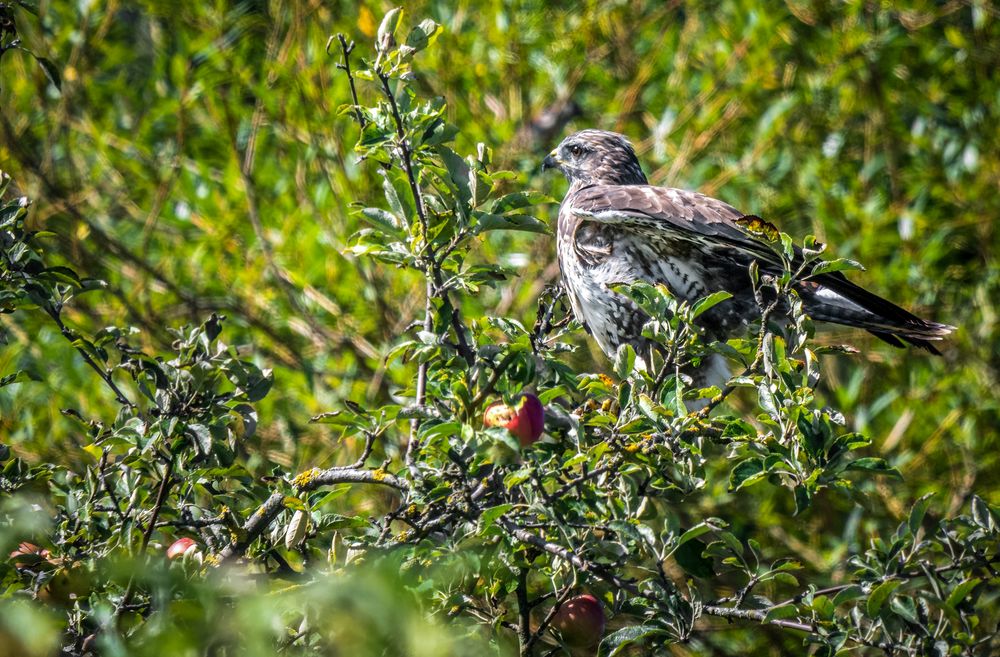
{"type": "Point", "coordinates": [550, 161]}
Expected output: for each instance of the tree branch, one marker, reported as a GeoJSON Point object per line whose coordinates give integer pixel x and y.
{"type": "Point", "coordinates": [309, 480]}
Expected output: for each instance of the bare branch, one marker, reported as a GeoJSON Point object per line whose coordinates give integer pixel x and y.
{"type": "Point", "coordinates": [346, 48]}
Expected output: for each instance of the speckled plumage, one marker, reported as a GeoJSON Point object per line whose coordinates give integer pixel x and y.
{"type": "Point", "coordinates": [614, 227]}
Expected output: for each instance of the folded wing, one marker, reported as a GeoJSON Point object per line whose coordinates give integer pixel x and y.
{"type": "Point", "coordinates": [689, 216]}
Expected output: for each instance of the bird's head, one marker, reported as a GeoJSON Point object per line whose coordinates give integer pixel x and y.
{"type": "Point", "coordinates": [596, 157]}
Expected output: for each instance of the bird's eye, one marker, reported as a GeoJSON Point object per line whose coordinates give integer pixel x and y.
{"type": "Point", "coordinates": [575, 150]}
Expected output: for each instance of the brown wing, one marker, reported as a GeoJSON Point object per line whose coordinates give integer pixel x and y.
{"type": "Point", "coordinates": [648, 211]}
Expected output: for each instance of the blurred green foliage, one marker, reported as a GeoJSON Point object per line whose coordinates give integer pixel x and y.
{"type": "Point", "coordinates": [194, 157]}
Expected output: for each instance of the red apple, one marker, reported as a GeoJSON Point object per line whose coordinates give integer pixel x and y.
{"type": "Point", "coordinates": [580, 621]}
{"type": "Point", "coordinates": [525, 419]}
{"type": "Point", "coordinates": [28, 554]}
{"type": "Point", "coordinates": [182, 547]}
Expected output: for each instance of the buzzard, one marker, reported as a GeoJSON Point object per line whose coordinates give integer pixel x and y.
{"type": "Point", "coordinates": [614, 227]}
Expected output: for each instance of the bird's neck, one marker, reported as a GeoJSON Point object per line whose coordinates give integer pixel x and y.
{"type": "Point", "coordinates": [620, 178]}
{"type": "Point", "coordinates": [577, 185]}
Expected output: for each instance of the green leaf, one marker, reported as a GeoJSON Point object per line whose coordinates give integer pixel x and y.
{"type": "Point", "coordinates": [322, 499]}
{"type": "Point", "coordinates": [803, 498]}
{"type": "Point", "coordinates": [518, 200]}
{"type": "Point", "coordinates": [398, 195]}
{"type": "Point", "coordinates": [781, 613]}
{"type": "Point", "coordinates": [709, 302]}
{"type": "Point", "coordinates": [438, 133]}
{"type": "Point", "coordinates": [62, 275]}
{"type": "Point", "coordinates": [903, 606]}
{"type": "Point", "coordinates": [873, 464]}
{"type": "Point", "coordinates": [423, 35]}
{"type": "Point", "coordinates": [739, 429]}
{"type": "Point", "coordinates": [16, 377]}
{"type": "Point", "coordinates": [387, 28]}
{"type": "Point", "coordinates": [93, 450]}
{"type": "Point", "coordinates": [523, 475]}
{"type": "Point", "coordinates": [384, 221]}
{"type": "Point", "coordinates": [852, 592]}
{"type": "Point", "coordinates": [840, 264]}
{"type": "Point", "coordinates": [337, 521]}
{"type": "Point", "coordinates": [732, 542]}
{"type": "Point", "coordinates": [689, 556]}
{"type": "Point", "coordinates": [981, 514]}
{"type": "Point", "coordinates": [693, 533]}
{"type": "Point", "coordinates": [823, 607]}
{"type": "Point", "coordinates": [787, 246]}
{"type": "Point", "coordinates": [880, 595]}
{"type": "Point", "coordinates": [961, 591]}
{"type": "Point", "coordinates": [201, 436]}
{"type": "Point", "coordinates": [523, 222]}
{"type": "Point", "coordinates": [374, 134]}
{"type": "Point", "coordinates": [754, 271]}
{"type": "Point", "coordinates": [624, 360]}
{"type": "Point", "coordinates": [765, 395]}
{"type": "Point", "coordinates": [746, 473]}
{"type": "Point", "coordinates": [458, 172]}
{"type": "Point", "coordinates": [786, 578]}
{"type": "Point", "coordinates": [811, 247]}
{"type": "Point", "coordinates": [917, 513]}
{"type": "Point", "coordinates": [50, 69]}
{"type": "Point", "coordinates": [490, 515]}
{"type": "Point", "coordinates": [617, 641]}
{"type": "Point", "coordinates": [259, 386]}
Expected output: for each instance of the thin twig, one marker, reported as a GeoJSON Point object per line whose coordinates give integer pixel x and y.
{"type": "Point", "coordinates": [413, 444]}
{"type": "Point", "coordinates": [493, 380]}
{"type": "Point", "coordinates": [102, 476]}
{"type": "Point", "coordinates": [543, 321]}
{"type": "Point", "coordinates": [523, 613]}
{"type": "Point", "coordinates": [346, 48]}
{"type": "Point", "coordinates": [161, 498]}
{"type": "Point", "coordinates": [103, 373]}
{"type": "Point", "coordinates": [404, 148]}
{"type": "Point", "coordinates": [906, 576]}
{"type": "Point", "coordinates": [540, 630]}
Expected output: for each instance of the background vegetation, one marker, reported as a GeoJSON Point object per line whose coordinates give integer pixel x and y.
{"type": "Point", "coordinates": [197, 157]}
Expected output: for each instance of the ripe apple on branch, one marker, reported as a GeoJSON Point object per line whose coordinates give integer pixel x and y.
{"type": "Point", "coordinates": [525, 419]}
{"type": "Point", "coordinates": [580, 622]}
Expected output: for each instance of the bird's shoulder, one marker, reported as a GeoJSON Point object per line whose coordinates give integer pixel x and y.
{"type": "Point", "coordinates": [656, 202]}
{"type": "Point", "coordinates": [647, 208]}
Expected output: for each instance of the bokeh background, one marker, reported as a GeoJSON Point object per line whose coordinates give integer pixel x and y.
{"type": "Point", "coordinates": [197, 158]}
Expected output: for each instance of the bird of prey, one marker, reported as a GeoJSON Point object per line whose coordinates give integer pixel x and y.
{"type": "Point", "coordinates": [614, 227]}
